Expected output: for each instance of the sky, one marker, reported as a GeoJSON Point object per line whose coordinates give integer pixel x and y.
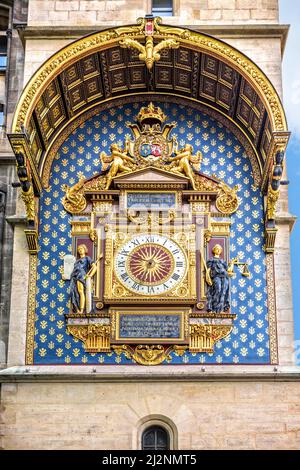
{"type": "Point", "coordinates": [290, 14]}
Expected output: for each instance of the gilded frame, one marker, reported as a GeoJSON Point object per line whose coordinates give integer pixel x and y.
{"type": "Point", "coordinates": [115, 325]}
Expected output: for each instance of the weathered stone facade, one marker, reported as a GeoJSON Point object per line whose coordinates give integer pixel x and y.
{"type": "Point", "coordinates": [223, 411]}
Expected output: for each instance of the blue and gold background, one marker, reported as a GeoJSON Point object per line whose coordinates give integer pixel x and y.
{"type": "Point", "coordinates": [224, 156]}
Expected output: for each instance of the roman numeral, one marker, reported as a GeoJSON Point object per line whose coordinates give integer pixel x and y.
{"type": "Point", "coordinates": [179, 264]}
{"type": "Point", "coordinates": [124, 276]}
{"type": "Point", "coordinates": [175, 251]}
{"type": "Point", "coordinates": [124, 252]}
{"type": "Point", "coordinates": [136, 286]}
{"type": "Point", "coordinates": [175, 276]}
{"type": "Point", "coordinates": [150, 290]}
{"type": "Point", "coordinates": [121, 264]}
{"type": "Point", "coordinates": [135, 242]}
{"type": "Point", "coordinates": [149, 239]}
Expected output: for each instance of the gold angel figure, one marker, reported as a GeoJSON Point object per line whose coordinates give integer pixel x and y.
{"type": "Point", "coordinates": [117, 161]}
{"type": "Point", "coordinates": [187, 162]}
{"type": "Point", "coordinates": [149, 53]}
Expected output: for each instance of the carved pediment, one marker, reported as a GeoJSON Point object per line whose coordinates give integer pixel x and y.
{"type": "Point", "coordinates": [151, 177]}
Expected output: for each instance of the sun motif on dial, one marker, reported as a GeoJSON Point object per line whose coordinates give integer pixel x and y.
{"type": "Point", "coordinates": [150, 264]}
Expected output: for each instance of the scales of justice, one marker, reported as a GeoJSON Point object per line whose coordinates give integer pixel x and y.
{"type": "Point", "coordinates": [150, 273]}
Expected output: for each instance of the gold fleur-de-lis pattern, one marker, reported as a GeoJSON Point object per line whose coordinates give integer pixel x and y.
{"type": "Point", "coordinates": [224, 156]}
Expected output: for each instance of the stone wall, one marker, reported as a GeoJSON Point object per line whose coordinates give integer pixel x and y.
{"type": "Point", "coordinates": [206, 415]}
{"type": "Point", "coordinates": [101, 12]}
{"type": "Point", "coordinates": [14, 85]}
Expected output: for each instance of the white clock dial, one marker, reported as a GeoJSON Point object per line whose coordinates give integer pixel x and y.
{"type": "Point", "coordinates": [150, 264]}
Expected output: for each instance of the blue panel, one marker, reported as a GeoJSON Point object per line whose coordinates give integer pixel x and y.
{"type": "Point", "coordinates": [224, 156]}
{"type": "Point", "coordinates": [153, 201]}
{"type": "Point", "coordinates": [149, 326]}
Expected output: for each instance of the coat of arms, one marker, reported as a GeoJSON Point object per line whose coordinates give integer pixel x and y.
{"type": "Point", "coordinates": [151, 139]}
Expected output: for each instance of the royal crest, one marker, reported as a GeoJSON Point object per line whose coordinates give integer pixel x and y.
{"type": "Point", "coordinates": [151, 140]}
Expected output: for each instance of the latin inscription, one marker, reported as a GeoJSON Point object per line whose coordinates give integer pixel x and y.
{"type": "Point", "coordinates": [157, 201]}
{"type": "Point", "coordinates": [149, 326]}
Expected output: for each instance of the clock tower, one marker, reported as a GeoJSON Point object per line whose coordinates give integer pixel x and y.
{"type": "Point", "coordinates": [150, 281]}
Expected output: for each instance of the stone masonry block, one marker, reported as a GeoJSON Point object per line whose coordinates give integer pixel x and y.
{"type": "Point", "coordinates": [115, 5]}
{"type": "Point", "coordinates": [80, 18]}
{"type": "Point", "coordinates": [41, 5]}
{"type": "Point", "coordinates": [95, 5]}
{"type": "Point", "coordinates": [210, 15]}
{"type": "Point", "coordinates": [221, 4]}
{"type": "Point", "coordinates": [236, 15]}
{"type": "Point", "coordinates": [268, 15]}
{"type": "Point", "coordinates": [67, 5]}
{"type": "Point", "coordinates": [270, 4]}
{"type": "Point", "coordinates": [58, 15]}
{"type": "Point", "coordinates": [247, 4]}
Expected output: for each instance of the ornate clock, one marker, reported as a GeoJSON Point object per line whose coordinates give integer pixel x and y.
{"type": "Point", "coordinates": [150, 264]}
{"type": "Point", "coordinates": [150, 267]}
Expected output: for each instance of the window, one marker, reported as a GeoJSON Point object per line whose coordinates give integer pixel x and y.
{"type": "Point", "coordinates": [162, 7]}
{"type": "Point", "coordinates": [3, 53]}
{"type": "Point", "coordinates": [155, 438]}
{"type": "Point", "coordinates": [1, 114]}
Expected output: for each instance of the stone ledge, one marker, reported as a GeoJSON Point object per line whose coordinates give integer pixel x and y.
{"type": "Point", "coordinates": [36, 374]}
{"type": "Point", "coordinates": [16, 220]}
{"type": "Point", "coordinates": [286, 219]}
{"type": "Point", "coordinates": [221, 31]}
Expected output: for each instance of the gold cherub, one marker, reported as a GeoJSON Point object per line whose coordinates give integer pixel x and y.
{"type": "Point", "coordinates": [187, 161]}
{"type": "Point", "coordinates": [116, 159]}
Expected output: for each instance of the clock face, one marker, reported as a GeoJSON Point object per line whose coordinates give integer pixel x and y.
{"type": "Point", "coordinates": [150, 264]}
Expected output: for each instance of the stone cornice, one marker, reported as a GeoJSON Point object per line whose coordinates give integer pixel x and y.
{"type": "Point", "coordinates": [94, 374]}
{"type": "Point", "coordinates": [286, 219]}
{"type": "Point", "coordinates": [220, 31]}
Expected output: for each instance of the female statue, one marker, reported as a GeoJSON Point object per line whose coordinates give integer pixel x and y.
{"type": "Point", "coordinates": [217, 278]}
{"type": "Point", "coordinates": [84, 269]}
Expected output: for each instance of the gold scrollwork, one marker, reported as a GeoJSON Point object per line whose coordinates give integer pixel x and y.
{"type": "Point", "coordinates": [93, 235]}
{"type": "Point", "coordinates": [272, 308]}
{"type": "Point", "coordinates": [119, 291]}
{"type": "Point", "coordinates": [227, 201]}
{"type": "Point", "coordinates": [74, 200]}
{"type": "Point", "coordinates": [150, 218]}
{"type": "Point", "coordinates": [29, 201]}
{"type": "Point", "coordinates": [31, 309]}
{"type": "Point", "coordinates": [204, 337]}
{"type": "Point", "coordinates": [272, 199]}
{"type": "Point", "coordinates": [204, 184]}
{"type": "Point", "coordinates": [146, 355]}
{"type": "Point", "coordinates": [96, 337]}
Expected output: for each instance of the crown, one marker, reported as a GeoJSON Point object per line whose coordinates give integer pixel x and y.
{"type": "Point", "coordinates": [151, 112]}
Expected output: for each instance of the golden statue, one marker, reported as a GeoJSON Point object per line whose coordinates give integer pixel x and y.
{"type": "Point", "coordinates": [80, 286]}
{"type": "Point", "coordinates": [74, 200]}
{"type": "Point", "coordinates": [149, 53]}
{"type": "Point", "coordinates": [116, 159]}
{"type": "Point", "coordinates": [187, 161]}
